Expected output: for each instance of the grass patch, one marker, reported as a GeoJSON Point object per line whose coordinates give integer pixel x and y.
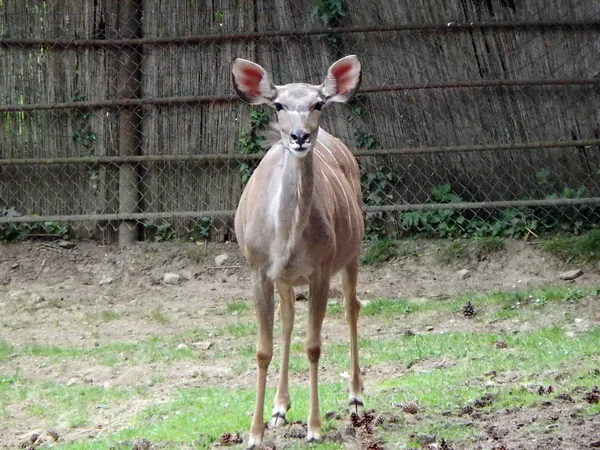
{"type": "Point", "coordinates": [103, 316]}
{"type": "Point", "coordinates": [489, 244]}
{"type": "Point", "coordinates": [441, 371]}
{"type": "Point", "coordinates": [241, 329]}
{"type": "Point", "coordinates": [152, 350]}
{"type": "Point", "coordinates": [157, 315]}
{"type": "Point", "coordinates": [237, 306]}
{"type": "Point", "coordinates": [389, 307]}
{"type": "Point", "coordinates": [6, 351]}
{"type": "Point", "coordinates": [578, 249]}
{"type": "Point", "coordinates": [382, 250]}
{"type": "Point", "coordinates": [454, 251]}
{"type": "Point", "coordinates": [51, 401]}
{"type": "Point", "coordinates": [334, 308]}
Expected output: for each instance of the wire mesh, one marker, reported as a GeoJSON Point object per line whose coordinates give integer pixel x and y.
{"type": "Point", "coordinates": [476, 117]}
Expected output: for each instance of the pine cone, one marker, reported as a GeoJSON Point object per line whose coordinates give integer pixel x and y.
{"type": "Point", "coordinates": [445, 445]}
{"type": "Point", "coordinates": [467, 409]}
{"type": "Point", "coordinates": [500, 343]}
{"type": "Point", "coordinates": [541, 390]}
{"type": "Point", "coordinates": [411, 407]}
{"type": "Point", "coordinates": [468, 310]}
{"type": "Point", "coordinates": [356, 420]}
{"type": "Point", "coordinates": [592, 397]}
{"type": "Point", "coordinates": [225, 439]}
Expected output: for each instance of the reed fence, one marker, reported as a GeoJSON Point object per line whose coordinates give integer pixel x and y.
{"type": "Point", "coordinates": [475, 117]}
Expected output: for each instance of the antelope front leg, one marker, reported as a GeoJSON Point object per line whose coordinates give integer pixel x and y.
{"type": "Point", "coordinates": [317, 304]}
{"type": "Point", "coordinates": [349, 278]}
{"type": "Point", "coordinates": [281, 403]}
{"type": "Point", "coordinates": [262, 291]}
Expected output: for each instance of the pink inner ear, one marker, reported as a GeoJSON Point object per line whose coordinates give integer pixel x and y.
{"type": "Point", "coordinates": [250, 81]}
{"type": "Point", "coordinates": [344, 82]}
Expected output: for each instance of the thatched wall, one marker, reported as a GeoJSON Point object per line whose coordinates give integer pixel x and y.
{"type": "Point", "coordinates": [410, 118]}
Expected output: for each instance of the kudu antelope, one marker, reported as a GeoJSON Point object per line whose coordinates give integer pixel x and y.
{"type": "Point", "coordinates": [299, 221]}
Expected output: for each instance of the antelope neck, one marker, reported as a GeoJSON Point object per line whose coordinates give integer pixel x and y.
{"type": "Point", "coordinates": [293, 198]}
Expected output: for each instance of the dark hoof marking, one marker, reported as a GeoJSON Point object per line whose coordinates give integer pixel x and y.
{"type": "Point", "coordinates": [274, 419]}
{"type": "Point", "coordinates": [313, 440]}
{"type": "Point", "coordinates": [355, 405]}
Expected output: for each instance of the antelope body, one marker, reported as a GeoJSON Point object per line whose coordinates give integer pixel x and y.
{"type": "Point", "coordinates": [299, 222]}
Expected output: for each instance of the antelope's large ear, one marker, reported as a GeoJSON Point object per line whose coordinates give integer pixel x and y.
{"type": "Point", "coordinates": [343, 80]}
{"type": "Point", "coordinates": [252, 82]}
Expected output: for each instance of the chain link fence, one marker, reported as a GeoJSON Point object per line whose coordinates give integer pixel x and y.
{"type": "Point", "coordinates": [475, 117]}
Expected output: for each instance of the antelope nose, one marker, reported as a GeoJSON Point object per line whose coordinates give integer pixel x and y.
{"type": "Point", "coordinates": [300, 136]}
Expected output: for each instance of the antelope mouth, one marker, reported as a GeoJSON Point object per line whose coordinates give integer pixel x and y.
{"type": "Point", "coordinates": [300, 150]}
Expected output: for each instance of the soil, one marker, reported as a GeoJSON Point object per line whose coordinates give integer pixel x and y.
{"type": "Point", "coordinates": [54, 295]}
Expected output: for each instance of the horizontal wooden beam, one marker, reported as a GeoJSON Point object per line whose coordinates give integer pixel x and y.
{"type": "Point", "coordinates": [574, 25]}
{"type": "Point", "coordinates": [591, 201]}
{"type": "Point", "coordinates": [228, 157]}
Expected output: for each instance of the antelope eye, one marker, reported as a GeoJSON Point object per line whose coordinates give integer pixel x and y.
{"type": "Point", "coordinates": [319, 106]}
{"type": "Point", "coordinates": [278, 106]}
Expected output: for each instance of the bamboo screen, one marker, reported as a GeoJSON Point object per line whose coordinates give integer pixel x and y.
{"type": "Point", "coordinates": [118, 119]}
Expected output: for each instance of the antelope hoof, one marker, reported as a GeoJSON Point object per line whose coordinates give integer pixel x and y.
{"type": "Point", "coordinates": [277, 420]}
{"type": "Point", "coordinates": [313, 439]}
{"type": "Point", "coordinates": [355, 406]}
{"type": "Point", "coordinates": [254, 446]}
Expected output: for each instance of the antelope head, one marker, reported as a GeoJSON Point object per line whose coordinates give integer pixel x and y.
{"type": "Point", "coordinates": [298, 105]}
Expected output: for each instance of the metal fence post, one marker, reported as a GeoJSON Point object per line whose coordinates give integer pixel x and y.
{"type": "Point", "coordinates": [129, 60]}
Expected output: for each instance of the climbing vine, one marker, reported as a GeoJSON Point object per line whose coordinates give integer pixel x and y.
{"type": "Point", "coordinates": [331, 13]}
{"type": "Point", "coordinates": [252, 141]}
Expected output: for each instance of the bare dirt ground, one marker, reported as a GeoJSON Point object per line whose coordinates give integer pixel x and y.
{"type": "Point", "coordinates": [50, 295]}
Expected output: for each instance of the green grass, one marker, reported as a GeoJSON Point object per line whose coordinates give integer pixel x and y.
{"type": "Point", "coordinates": [211, 411]}
{"type": "Point", "coordinates": [454, 251]}
{"type": "Point", "coordinates": [103, 316]}
{"type": "Point", "coordinates": [489, 244]}
{"type": "Point", "coordinates": [441, 371]}
{"type": "Point", "coordinates": [577, 249]}
{"type": "Point", "coordinates": [382, 250]}
{"type": "Point", "coordinates": [51, 401]}
{"type": "Point", "coordinates": [390, 307]}
{"type": "Point", "coordinates": [158, 315]}
{"type": "Point", "coordinates": [241, 329]}
{"type": "Point", "coordinates": [238, 306]}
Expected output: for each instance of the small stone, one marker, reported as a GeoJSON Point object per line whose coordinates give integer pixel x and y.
{"type": "Point", "coordinates": [187, 275]}
{"type": "Point", "coordinates": [220, 259]}
{"type": "Point", "coordinates": [204, 345]}
{"type": "Point", "coordinates": [66, 244]}
{"type": "Point", "coordinates": [171, 278]}
{"type": "Point", "coordinates": [430, 328]}
{"type": "Point", "coordinates": [106, 280]}
{"type": "Point", "coordinates": [182, 347]}
{"type": "Point", "coordinates": [570, 334]}
{"type": "Point", "coordinates": [571, 274]}
{"type": "Point", "coordinates": [14, 266]}
{"type": "Point", "coordinates": [35, 300]}
{"type": "Point", "coordinates": [463, 274]}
